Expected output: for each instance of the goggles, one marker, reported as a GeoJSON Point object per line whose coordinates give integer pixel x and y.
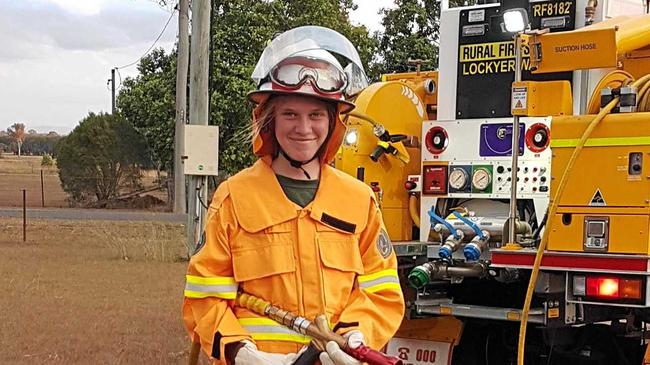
{"type": "Point", "coordinates": [294, 72]}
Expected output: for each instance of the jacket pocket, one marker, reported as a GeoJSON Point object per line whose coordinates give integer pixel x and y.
{"type": "Point", "coordinates": [341, 263]}
{"type": "Point", "coordinates": [340, 251]}
{"type": "Point", "coordinates": [263, 261]}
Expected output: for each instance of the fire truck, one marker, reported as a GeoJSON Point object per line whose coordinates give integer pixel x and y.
{"type": "Point", "coordinates": [540, 256]}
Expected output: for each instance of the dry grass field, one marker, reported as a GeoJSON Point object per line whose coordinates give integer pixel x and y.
{"type": "Point", "coordinates": [91, 292]}
{"type": "Point", "coordinates": [17, 173]}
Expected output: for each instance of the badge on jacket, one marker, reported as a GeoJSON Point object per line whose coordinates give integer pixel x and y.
{"type": "Point", "coordinates": [384, 246]}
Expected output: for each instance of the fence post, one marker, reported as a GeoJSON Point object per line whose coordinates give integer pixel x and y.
{"type": "Point", "coordinates": [42, 191]}
{"type": "Point", "coordinates": [24, 215]}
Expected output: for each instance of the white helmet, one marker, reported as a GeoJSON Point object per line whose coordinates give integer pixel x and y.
{"type": "Point", "coordinates": [298, 61]}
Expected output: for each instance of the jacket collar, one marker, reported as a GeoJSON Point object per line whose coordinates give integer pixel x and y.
{"type": "Point", "coordinates": [259, 201]}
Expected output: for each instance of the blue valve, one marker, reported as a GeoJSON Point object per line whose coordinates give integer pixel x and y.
{"type": "Point", "coordinates": [472, 252]}
{"type": "Point", "coordinates": [444, 253]}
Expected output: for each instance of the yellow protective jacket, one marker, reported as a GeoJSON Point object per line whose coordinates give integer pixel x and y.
{"type": "Point", "coordinates": [333, 257]}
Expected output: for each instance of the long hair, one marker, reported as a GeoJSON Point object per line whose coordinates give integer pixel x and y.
{"type": "Point", "coordinates": [264, 124]}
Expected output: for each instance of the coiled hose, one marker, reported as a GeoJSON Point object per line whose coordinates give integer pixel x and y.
{"type": "Point", "coordinates": [643, 84]}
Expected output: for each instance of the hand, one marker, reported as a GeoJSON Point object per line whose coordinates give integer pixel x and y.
{"type": "Point", "coordinates": [250, 355]}
{"type": "Point", "coordinates": [334, 355]}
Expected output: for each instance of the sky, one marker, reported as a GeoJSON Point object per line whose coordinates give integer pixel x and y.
{"type": "Point", "coordinates": [56, 55]}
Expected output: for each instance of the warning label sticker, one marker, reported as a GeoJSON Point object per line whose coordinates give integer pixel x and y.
{"type": "Point", "coordinates": [519, 97]}
{"type": "Point", "coordinates": [598, 200]}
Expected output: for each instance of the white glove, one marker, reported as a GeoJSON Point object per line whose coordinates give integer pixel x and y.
{"type": "Point", "coordinates": [250, 355]}
{"type": "Point", "coordinates": [336, 356]}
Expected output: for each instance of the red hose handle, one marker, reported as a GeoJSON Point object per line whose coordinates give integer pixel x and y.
{"type": "Point", "coordinates": [365, 354]}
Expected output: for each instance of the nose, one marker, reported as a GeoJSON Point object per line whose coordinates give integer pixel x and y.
{"type": "Point", "coordinates": [303, 124]}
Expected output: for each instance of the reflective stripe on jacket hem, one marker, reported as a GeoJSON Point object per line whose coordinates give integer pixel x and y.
{"type": "Point", "coordinates": [265, 329]}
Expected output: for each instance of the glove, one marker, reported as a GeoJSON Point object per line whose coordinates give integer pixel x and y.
{"type": "Point", "coordinates": [250, 355]}
{"type": "Point", "coordinates": [334, 355]}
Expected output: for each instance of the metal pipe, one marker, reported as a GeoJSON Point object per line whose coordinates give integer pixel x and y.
{"type": "Point", "coordinates": [515, 149]}
{"type": "Point", "coordinates": [467, 271]}
{"type": "Point", "coordinates": [437, 270]}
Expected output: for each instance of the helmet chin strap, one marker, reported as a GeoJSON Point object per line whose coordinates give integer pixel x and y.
{"type": "Point", "coordinates": [299, 164]}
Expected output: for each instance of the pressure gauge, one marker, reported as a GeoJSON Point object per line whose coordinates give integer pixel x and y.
{"type": "Point", "coordinates": [481, 179]}
{"type": "Point", "coordinates": [458, 178]}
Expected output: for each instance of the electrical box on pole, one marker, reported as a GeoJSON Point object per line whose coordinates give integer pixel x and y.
{"type": "Point", "coordinates": [201, 154]}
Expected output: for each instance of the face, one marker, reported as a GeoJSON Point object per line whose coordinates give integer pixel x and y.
{"type": "Point", "coordinates": [301, 125]}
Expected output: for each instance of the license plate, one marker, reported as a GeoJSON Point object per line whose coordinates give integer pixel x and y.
{"type": "Point", "coordinates": [420, 352]}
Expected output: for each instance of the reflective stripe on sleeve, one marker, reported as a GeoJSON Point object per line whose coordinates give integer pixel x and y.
{"type": "Point", "coordinates": [381, 280]}
{"type": "Point", "coordinates": [224, 287]}
{"type": "Point", "coordinates": [265, 329]}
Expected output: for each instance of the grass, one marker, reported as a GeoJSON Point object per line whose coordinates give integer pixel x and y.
{"type": "Point", "coordinates": [12, 164]}
{"type": "Point", "coordinates": [91, 292]}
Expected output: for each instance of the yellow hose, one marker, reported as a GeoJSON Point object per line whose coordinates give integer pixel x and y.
{"type": "Point", "coordinates": [614, 79]}
{"type": "Point", "coordinates": [414, 210]}
{"type": "Point", "coordinates": [551, 213]}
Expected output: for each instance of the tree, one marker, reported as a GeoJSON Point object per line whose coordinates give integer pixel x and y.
{"type": "Point", "coordinates": [411, 31]}
{"type": "Point", "coordinates": [17, 133]}
{"type": "Point", "coordinates": [100, 156]}
{"type": "Point", "coordinates": [147, 102]}
{"type": "Point", "coordinates": [38, 144]}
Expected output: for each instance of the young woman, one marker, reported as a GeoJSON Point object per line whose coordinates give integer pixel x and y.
{"type": "Point", "coordinates": [291, 229]}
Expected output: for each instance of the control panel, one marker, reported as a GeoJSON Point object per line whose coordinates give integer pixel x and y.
{"type": "Point", "coordinates": [474, 156]}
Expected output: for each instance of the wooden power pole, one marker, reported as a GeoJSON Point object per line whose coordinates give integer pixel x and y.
{"type": "Point", "coordinates": [199, 57]}
{"type": "Point", "coordinates": [181, 105]}
{"type": "Point", "coordinates": [113, 91]}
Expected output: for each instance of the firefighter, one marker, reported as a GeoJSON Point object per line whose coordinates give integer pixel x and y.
{"type": "Point", "coordinates": [291, 229]}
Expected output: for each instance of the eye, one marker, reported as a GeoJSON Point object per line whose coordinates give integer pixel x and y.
{"type": "Point", "coordinates": [289, 114]}
{"type": "Point", "coordinates": [317, 115]}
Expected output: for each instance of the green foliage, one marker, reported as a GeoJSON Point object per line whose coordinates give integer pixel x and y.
{"type": "Point", "coordinates": [101, 155]}
{"type": "Point", "coordinates": [39, 144]}
{"type": "Point", "coordinates": [411, 31]}
{"type": "Point", "coordinates": [148, 103]}
{"type": "Point", "coordinates": [47, 160]}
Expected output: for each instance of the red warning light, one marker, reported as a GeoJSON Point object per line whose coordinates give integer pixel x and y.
{"type": "Point", "coordinates": [602, 287]}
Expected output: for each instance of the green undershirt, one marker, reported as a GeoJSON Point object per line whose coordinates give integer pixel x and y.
{"type": "Point", "coordinates": [301, 192]}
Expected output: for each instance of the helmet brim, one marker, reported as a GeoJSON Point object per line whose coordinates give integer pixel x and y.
{"type": "Point", "coordinates": [260, 96]}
